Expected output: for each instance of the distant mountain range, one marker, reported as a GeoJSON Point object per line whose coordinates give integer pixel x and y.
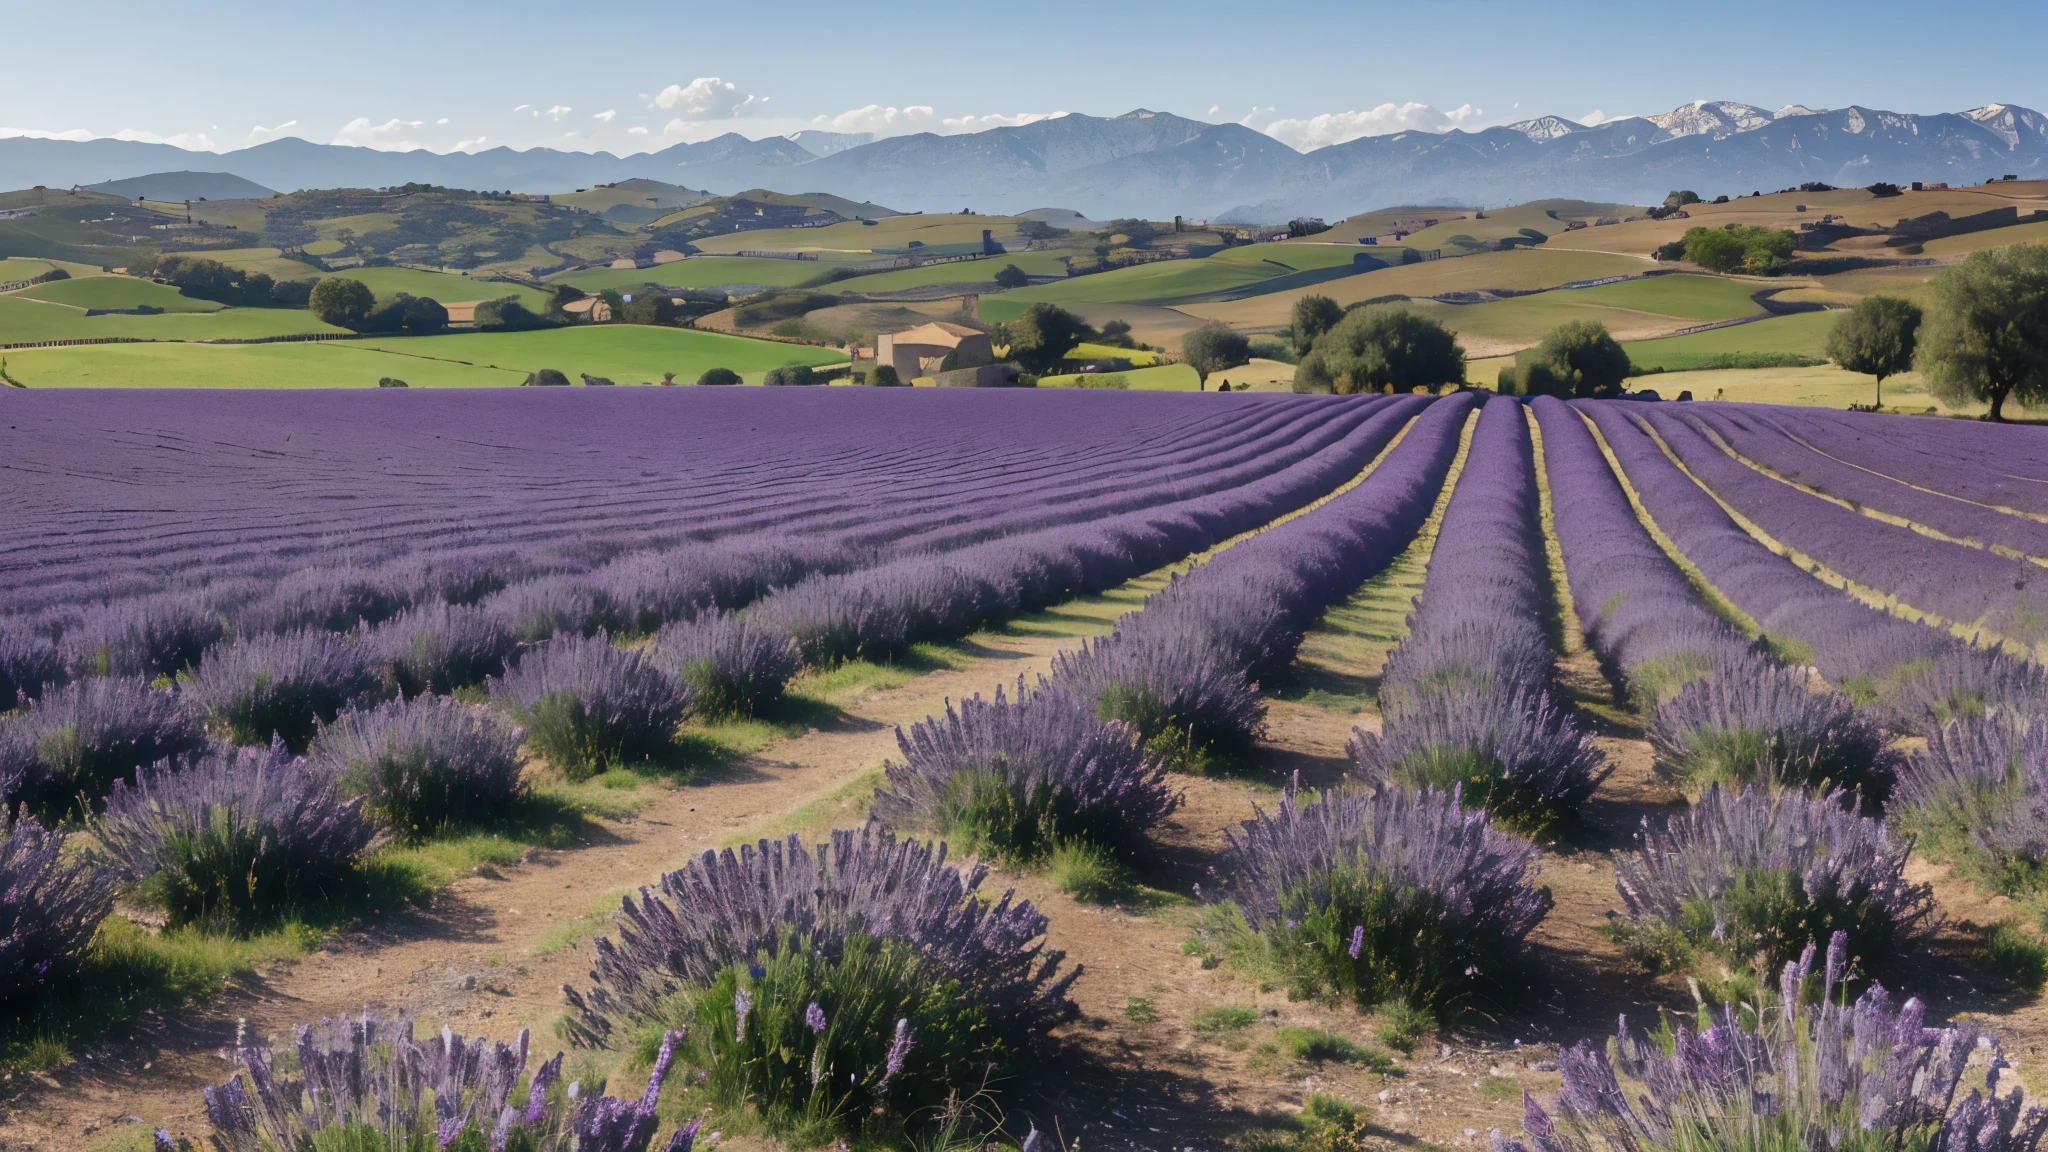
{"type": "Point", "coordinates": [1159, 165]}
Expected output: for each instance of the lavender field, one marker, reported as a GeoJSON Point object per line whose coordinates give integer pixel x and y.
{"type": "Point", "coordinates": [881, 769]}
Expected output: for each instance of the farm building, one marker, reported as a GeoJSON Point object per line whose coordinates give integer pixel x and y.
{"type": "Point", "coordinates": [919, 351]}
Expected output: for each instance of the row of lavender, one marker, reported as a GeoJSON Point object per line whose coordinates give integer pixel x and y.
{"type": "Point", "coordinates": [1974, 795]}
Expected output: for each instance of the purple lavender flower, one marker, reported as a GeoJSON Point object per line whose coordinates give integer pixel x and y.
{"type": "Point", "coordinates": [1357, 941]}
{"type": "Point", "coordinates": [737, 666]}
{"type": "Point", "coordinates": [75, 742]}
{"type": "Point", "coordinates": [814, 1017]}
{"type": "Point", "coordinates": [49, 908]}
{"type": "Point", "coordinates": [588, 706]}
{"type": "Point", "coordinates": [899, 1050]}
{"type": "Point", "coordinates": [423, 763]}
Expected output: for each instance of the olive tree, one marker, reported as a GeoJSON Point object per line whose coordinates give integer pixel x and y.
{"type": "Point", "coordinates": [1578, 358]}
{"type": "Point", "coordinates": [1986, 336]}
{"type": "Point", "coordinates": [1043, 335]}
{"type": "Point", "coordinates": [1876, 338]}
{"type": "Point", "coordinates": [1380, 348]}
{"type": "Point", "coordinates": [342, 302]}
{"type": "Point", "coordinates": [1213, 348]}
{"type": "Point", "coordinates": [1313, 316]}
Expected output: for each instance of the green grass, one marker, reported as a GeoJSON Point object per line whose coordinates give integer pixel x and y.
{"type": "Point", "coordinates": [22, 321]}
{"type": "Point", "coordinates": [1804, 334]}
{"type": "Point", "coordinates": [1164, 283]}
{"type": "Point", "coordinates": [442, 286]}
{"type": "Point", "coordinates": [1165, 378]}
{"type": "Point", "coordinates": [1223, 1018]}
{"type": "Point", "coordinates": [1089, 873]}
{"type": "Point", "coordinates": [629, 354]}
{"type": "Point", "coordinates": [117, 292]}
{"type": "Point", "coordinates": [705, 273]}
{"type": "Point", "coordinates": [1632, 304]}
{"type": "Point", "coordinates": [963, 272]}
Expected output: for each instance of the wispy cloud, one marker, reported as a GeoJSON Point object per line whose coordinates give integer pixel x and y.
{"type": "Point", "coordinates": [394, 135]}
{"type": "Point", "coordinates": [1386, 119]}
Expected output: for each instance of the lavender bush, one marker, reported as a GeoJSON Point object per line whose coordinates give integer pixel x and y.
{"type": "Point", "coordinates": [1519, 757]}
{"type": "Point", "coordinates": [1011, 778]}
{"type": "Point", "coordinates": [1750, 721]}
{"type": "Point", "coordinates": [1789, 1074]}
{"type": "Point", "coordinates": [423, 764]}
{"type": "Point", "coordinates": [1747, 879]}
{"type": "Point", "coordinates": [1977, 795]}
{"type": "Point", "coordinates": [65, 751]}
{"type": "Point", "coordinates": [726, 909]}
{"type": "Point", "coordinates": [539, 609]}
{"type": "Point", "coordinates": [368, 1085]}
{"type": "Point", "coordinates": [737, 667]}
{"type": "Point", "coordinates": [1396, 895]}
{"type": "Point", "coordinates": [438, 648]}
{"type": "Point", "coordinates": [285, 685]}
{"type": "Point", "coordinates": [49, 907]}
{"type": "Point", "coordinates": [236, 841]}
{"type": "Point", "coordinates": [147, 636]}
{"type": "Point", "coordinates": [1190, 707]}
{"type": "Point", "coordinates": [330, 599]}
{"type": "Point", "coordinates": [27, 662]}
{"type": "Point", "coordinates": [588, 706]}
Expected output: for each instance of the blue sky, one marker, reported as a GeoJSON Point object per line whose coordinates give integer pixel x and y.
{"type": "Point", "coordinates": [633, 77]}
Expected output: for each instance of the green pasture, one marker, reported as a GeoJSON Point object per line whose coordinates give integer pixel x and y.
{"type": "Point", "coordinates": [117, 292]}
{"type": "Point", "coordinates": [1287, 258]}
{"type": "Point", "coordinates": [888, 232]}
{"type": "Point", "coordinates": [1503, 222]}
{"type": "Point", "coordinates": [24, 321]}
{"type": "Point", "coordinates": [698, 272]}
{"type": "Point", "coordinates": [1804, 334]}
{"type": "Point", "coordinates": [628, 354]}
{"type": "Point", "coordinates": [442, 286]}
{"type": "Point", "coordinates": [962, 272]}
{"type": "Point", "coordinates": [266, 261]}
{"type": "Point", "coordinates": [1634, 304]}
{"type": "Point", "coordinates": [1111, 352]}
{"type": "Point", "coordinates": [1163, 283]}
{"type": "Point", "coordinates": [1165, 378]}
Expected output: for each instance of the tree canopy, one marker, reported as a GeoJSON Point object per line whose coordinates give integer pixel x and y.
{"type": "Point", "coordinates": [1578, 358]}
{"type": "Point", "coordinates": [1986, 335]}
{"type": "Point", "coordinates": [342, 302]}
{"type": "Point", "coordinates": [1313, 315]}
{"type": "Point", "coordinates": [1043, 335]}
{"type": "Point", "coordinates": [1213, 348]}
{"type": "Point", "coordinates": [1011, 276]}
{"type": "Point", "coordinates": [1877, 338]}
{"type": "Point", "coordinates": [1739, 248]}
{"type": "Point", "coordinates": [724, 376]}
{"type": "Point", "coordinates": [506, 315]}
{"type": "Point", "coordinates": [1380, 348]}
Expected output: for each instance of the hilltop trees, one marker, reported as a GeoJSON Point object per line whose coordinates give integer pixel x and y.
{"type": "Point", "coordinates": [1043, 336]}
{"type": "Point", "coordinates": [1012, 276]}
{"type": "Point", "coordinates": [1213, 348]}
{"type": "Point", "coordinates": [1876, 338]}
{"type": "Point", "coordinates": [1986, 337]}
{"type": "Point", "coordinates": [1381, 348]}
{"type": "Point", "coordinates": [342, 302]}
{"type": "Point", "coordinates": [1578, 358]}
{"type": "Point", "coordinates": [1739, 248]}
{"type": "Point", "coordinates": [506, 315]}
{"type": "Point", "coordinates": [204, 279]}
{"type": "Point", "coordinates": [1313, 316]}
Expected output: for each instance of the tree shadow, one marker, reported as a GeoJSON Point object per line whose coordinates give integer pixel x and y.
{"type": "Point", "coordinates": [1095, 1088]}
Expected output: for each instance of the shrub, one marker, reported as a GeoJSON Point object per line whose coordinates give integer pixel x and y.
{"type": "Point", "coordinates": [147, 636]}
{"type": "Point", "coordinates": [264, 685]}
{"type": "Point", "coordinates": [364, 1084]}
{"type": "Point", "coordinates": [790, 375]}
{"type": "Point", "coordinates": [508, 314]}
{"type": "Point", "coordinates": [1397, 895]}
{"type": "Point", "coordinates": [51, 908]}
{"type": "Point", "coordinates": [1515, 754]}
{"type": "Point", "coordinates": [2011, 951]}
{"type": "Point", "coordinates": [1749, 878]}
{"type": "Point", "coordinates": [719, 376]}
{"type": "Point", "coordinates": [737, 667]}
{"type": "Point", "coordinates": [27, 663]}
{"type": "Point", "coordinates": [67, 749]}
{"type": "Point", "coordinates": [1378, 348]}
{"type": "Point", "coordinates": [833, 619]}
{"type": "Point", "coordinates": [1013, 778]}
{"type": "Point", "coordinates": [1088, 872]}
{"type": "Point", "coordinates": [423, 764]}
{"type": "Point", "coordinates": [724, 910]}
{"type": "Point", "coordinates": [1749, 721]}
{"type": "Point", "coordinates": [1787, 1072]}
{"type": "Point", "coordinates": [545, 377]}
{"type": "Point", "coordinates": [441, 647]}
{"type": "Point", "coordinates": [1968, 795]}
{"type": "Point", "coordinates": [331, 599]}
{"type": "Point", "coordinates": [1739, 248]}
{"type": "Point", "coordinates": [860, 1038]}
{"type": "Point", "coordinates": [1189, 707]}
{"type": "Point", "coordinates": [540, 609]}
{"type": "Point", "coordinates": [342, 302]}
{"type": "Point", "coordinates": [588, 706]}
{"type": "Point", "coordinates": [236, 841]}
{"type": "Point", "coordinates": [884, 376]}
{"type": "Point", "coordinates": [1578, 358]}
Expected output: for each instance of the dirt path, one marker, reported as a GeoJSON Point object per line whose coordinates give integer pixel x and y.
{"type": "Point", "coordinates": [485, 957]}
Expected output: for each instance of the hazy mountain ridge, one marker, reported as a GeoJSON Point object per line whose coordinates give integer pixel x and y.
{"type": "Point", "coordinates": [1160, 165]}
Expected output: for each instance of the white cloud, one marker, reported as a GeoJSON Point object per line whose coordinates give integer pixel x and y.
{"type": "Point", "coordinates": [471, 145]}
{"type": "Point", "coordinates": [522, 107]}
{"type": "Point", "coordinates": [880, 120]}
{"type": "Point", "coordinates": [1338, 127]}
{"type": "Point", "coordinates": [442, 122]}
{"type": "Point", "coordinates": [956, 124]}
{"type": "Point", "coordinates": [707, 98]}
{"type": "Point", "coordinates": [636, 130]}
{"type": "Point", "coordinates": [394, 135]}
{"type": "Point", "coordinates": [261, 135]}
{"type": "Point", "coordinates": [608, 115]}
{"type": "Point", "coordinates": [558, 111]}
{"type": "Point", "coordinates": [190, 141]}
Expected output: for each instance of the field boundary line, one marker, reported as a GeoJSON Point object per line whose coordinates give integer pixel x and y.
{"type": "Point", "coordinates": [1571, 638]}
{"type": "Point", "coordinates": [1714, 598]}
{"type": "Point", "coordinates": [1891, 518]}
{"type": "Point", "coordinates": [2020, 513]}
{"type": "Point", "coordinates": [1975, 634]}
